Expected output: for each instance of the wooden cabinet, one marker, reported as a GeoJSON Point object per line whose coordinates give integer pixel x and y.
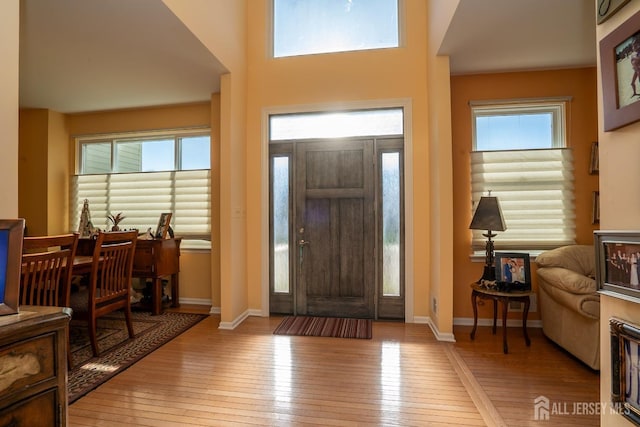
{"type": "Point", "coordinates": [33, 367]}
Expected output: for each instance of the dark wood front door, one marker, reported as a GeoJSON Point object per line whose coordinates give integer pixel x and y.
{"type": "Point", "coordinates": [335, 228]}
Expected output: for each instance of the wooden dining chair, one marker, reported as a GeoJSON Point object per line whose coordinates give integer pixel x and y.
{"type": "Point", "coordinates": [109, 286]}
{"type": "Point", "coordinates": [45, 278]}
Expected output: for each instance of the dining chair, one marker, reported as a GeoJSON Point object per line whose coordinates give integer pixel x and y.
{"type": "Point", "coordinates": [109, 286]}
{"type": "Point", "coordinates": [45, 278]}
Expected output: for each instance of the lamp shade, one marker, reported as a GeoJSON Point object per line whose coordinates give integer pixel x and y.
{"type": "Point", "coordinates": [488, 215]}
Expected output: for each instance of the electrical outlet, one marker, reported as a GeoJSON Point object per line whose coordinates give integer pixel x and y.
{"type": "Point", "coordinates": [435, 305]}
{"type": "Point", "coordinates": [515, 306]}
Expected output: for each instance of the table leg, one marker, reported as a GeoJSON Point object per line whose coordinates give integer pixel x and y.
{"type": "Point", "coordinates": [527, 303]}
{"type": "Point", "coordinates": [175, 290]}
{"type": "Point", "coordinates": [156, 296]}
{"type": "Point", "coordinates": [474, 298]}
{"type": "Point", "coordinates": [505, 306]}
{"type": "Point", "coordinates": [495, 315]}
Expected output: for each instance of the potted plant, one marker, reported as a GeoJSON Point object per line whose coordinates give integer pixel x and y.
{"type": "Point", "coordinates": [115, 220]}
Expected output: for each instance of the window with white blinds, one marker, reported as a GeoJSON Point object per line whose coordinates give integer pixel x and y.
{"type": "Point", "coordinates": [520, 156]}
{"type": "Point", "coordinates": [143, 176]}
{"type": "Point", "coordinates": [535, 190]}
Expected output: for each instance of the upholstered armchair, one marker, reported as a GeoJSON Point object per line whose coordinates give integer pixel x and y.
{"type": "Point", "coordinates": [569, 302]}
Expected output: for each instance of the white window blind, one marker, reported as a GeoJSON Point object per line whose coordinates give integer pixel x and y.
{"type": "Point", "coordinates": [142, 197]}
{"type": "Point", "coordinates": [535, 190]}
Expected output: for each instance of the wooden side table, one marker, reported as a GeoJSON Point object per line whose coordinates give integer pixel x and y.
{"type": "Point", "coordinates": [504, 298]}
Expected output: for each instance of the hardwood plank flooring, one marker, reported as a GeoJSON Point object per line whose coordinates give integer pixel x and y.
{"type": "Point", "coordinates": [403, 376]}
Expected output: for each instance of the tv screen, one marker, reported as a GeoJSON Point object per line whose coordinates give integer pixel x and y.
{"type": "Point", "coordinates": [11, 235]}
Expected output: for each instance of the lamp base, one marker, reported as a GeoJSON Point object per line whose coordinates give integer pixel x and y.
{"type": "Point", "coordinates": [489, 274]}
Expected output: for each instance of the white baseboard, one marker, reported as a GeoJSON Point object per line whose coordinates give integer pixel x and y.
{"type": "Point", "coordinates": [440, 336]}
{"type": "Point", "coordinates": [195, 301]}
{"type": "Point", "coordinates": [232, 325]}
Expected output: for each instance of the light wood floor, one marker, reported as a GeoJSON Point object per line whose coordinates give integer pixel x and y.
{"type": "Point", "coordinates": [403, 376]}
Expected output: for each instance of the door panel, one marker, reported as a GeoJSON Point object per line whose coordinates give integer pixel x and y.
{"type": "Point", "coordinates": [335, 192]}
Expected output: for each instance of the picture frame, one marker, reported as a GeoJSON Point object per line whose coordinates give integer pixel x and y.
{"type": "Point", "coordinates": [11, 237]}
{"type": "Point", "coordinates": [595, 207]}
{"type": "Point", "coordinates": [625, 377]}
{"type": "Point", "coordinates": [163, 226]}
{"type": "Point", "coordinates": [617, 260]}
{"type": "Point", "coordinates": [513, 271]}
{"type": "Point", "coordinates": [619, 51]}
{"type": "Point", "coordinates": [608, 8]}
{"type": "Point", "coordinates": [594, 161]}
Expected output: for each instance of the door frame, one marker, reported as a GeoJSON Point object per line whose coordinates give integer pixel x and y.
{"type": "Point", "coordinates": [405, 104]}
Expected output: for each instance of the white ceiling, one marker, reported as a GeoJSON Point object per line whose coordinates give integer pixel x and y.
{"type": "Point", "coordinates": [91, 55]}
{"type": "Point", "coordinates": [512, 35]}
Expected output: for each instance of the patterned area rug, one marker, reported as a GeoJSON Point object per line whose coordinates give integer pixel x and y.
{"type": "Point", "coordinates": [117, 351]}
{"type": "Point", "coordinates": [337, 327]}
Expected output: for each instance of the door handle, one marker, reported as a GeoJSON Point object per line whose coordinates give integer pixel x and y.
{"type": "Point", "coordinates": [301, 244]}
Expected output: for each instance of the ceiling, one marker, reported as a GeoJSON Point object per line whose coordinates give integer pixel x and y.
{"type": "Point", "coordinates": [512, 35]}
{"type": "Point", "coordinates": [92, 55]}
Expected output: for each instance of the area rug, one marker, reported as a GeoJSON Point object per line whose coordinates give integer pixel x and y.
{"type": "Point", "coordinates": [337, 327]}
{"type": "Point", "coordinates": [117, 351]}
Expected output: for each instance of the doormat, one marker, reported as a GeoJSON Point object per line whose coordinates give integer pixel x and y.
{"type": "Point", "coordinates": [336, 327]}
{"type": "Point", "coordinates": [117, 351]}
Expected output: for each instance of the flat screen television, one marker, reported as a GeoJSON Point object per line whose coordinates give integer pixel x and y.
{"type": "Point", "coordinates": [11, 235]}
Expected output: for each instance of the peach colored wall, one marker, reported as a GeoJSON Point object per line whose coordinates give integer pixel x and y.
{"type": "Point", "coordinates": [58, 167]}
{"type": "Point", "coordinates": [580, 84]}
{"type": "Point", "coordinates": [619, 210]}
{"type": "Point", "coordinates": [9, 52]}
{"type": "Point", "coordinates": [221, 25]}
{"type": "Point", "coordinates": [335, 79]}
{"type": "Point", "coordinates": [32, 170]}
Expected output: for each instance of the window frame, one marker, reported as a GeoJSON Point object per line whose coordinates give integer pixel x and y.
{"type": "Point", "coordinates": [558, 108]}
{"type": "Point", "coordinates": [115, 138]}
{"type": "Point", "coordinates": [271, 27]}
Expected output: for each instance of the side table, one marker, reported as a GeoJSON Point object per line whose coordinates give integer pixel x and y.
{"type": "Point", "coordinates": [504, 298]}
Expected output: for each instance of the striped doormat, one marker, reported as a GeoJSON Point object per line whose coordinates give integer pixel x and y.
{"type": "Point", "coordinates": [337, 327]}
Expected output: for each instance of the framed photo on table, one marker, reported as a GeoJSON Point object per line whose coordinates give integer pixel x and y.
{"type": "Point", "coordinates": [620, 67]}
{"type": "Point", "coordinates": [513, 271]}
{"type": "Point", "coordinates": [163, 226]}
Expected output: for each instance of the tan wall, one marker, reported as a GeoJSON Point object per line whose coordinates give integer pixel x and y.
{"type": "Point", "coordinates": [221, 25]}
{"type": "Point", "coordinates": [9, 52]}
{"type": "Point", "coordinates": [333, 80]}
{"type": "Point", "coordinates": [581, 132]}
{"type": "Point", "coordinates": [619, 210]}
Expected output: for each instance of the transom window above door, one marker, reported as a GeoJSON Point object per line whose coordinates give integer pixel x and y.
{"type": "Point", "coordinates": [310, 27]}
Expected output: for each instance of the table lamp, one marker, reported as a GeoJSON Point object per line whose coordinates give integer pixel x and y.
{"type": "Point", "coordinates": [488, 216]}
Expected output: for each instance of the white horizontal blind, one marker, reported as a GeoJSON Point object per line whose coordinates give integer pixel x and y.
{"type": "Point", "coordinates": [535, 190]}
{"type": "Point", "coordinates": [142, 197]}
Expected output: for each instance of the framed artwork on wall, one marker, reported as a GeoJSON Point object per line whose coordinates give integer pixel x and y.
{"type": "Point", "coordinates": [625, 377]}
{"type": "Point", "coordinates": [620, 67]}
{"type": "Point", "coordinates": [618, 263]}
{"type": "Point", "coordinates": [607, 8]}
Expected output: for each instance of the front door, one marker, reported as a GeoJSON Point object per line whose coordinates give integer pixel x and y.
{"type": "Point", "coordinates": [335, 228]}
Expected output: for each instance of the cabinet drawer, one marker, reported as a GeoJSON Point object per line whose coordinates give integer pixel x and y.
{"type": "Point", "coordinates": [27, 363]}
{"type": "Point", "coordinates": [37, 411]}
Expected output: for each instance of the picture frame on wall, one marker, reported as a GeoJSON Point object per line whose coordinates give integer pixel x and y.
{"type": "Point", "coordinates": [595, 207]}
{"type": "Point", "coordinates": [620, 68]}
{"type": "Point", "coordinates": [163, 226]}
{"type": "Point", "coordinates": [11, 236]}
{"type": "Point", "coordinates": [625, 376]}
{"type": "Point", "coordinates": [594, 160]}
{"type": "Point", "coordinates": [607, 8]}
{"type": "Point", "coordinates": [617, 263]}
{"type": "Point", "coordinates": [513, 271]}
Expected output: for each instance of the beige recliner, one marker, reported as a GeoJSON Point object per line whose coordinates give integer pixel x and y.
{"type": "Point", "coordinates": [569, 303]}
